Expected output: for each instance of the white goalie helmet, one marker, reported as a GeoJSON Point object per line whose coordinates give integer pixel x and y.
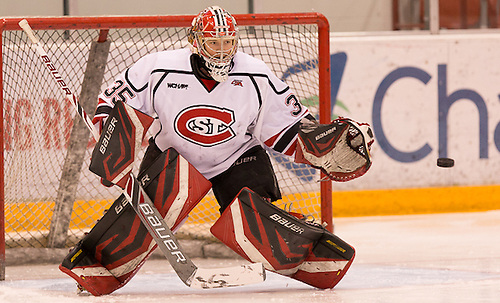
{"type": "Point", "coordinates": [214, 36]}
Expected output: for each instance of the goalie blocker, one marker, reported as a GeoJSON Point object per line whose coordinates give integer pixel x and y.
{"type": "Point", "coordinates": [261, 232]}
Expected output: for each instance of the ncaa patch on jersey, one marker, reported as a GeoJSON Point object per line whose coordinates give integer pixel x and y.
{"type": "Point", "coordinates": [205, 125]}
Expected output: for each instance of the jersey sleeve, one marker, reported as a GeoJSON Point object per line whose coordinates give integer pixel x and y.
{"type": "Point", "coordinates": [131, 87]}
{"type": "Point", "coordinates": [280, 115]}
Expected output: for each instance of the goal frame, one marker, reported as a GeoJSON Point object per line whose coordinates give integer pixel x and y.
{"type": "Point", "coordinates": [103, 24]}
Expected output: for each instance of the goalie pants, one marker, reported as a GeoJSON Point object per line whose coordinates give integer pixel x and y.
{"type": "Point", "coordinates": [252, 170]}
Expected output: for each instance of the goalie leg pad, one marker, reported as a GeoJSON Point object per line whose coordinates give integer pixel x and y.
{"type": "Point", "coordinates": [261, 232]}
{"type": "Point", "coordinates": [119, 243]}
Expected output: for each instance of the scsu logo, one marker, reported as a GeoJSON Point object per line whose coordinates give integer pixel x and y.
{"type": "Point", "coordinates": [205, 125]}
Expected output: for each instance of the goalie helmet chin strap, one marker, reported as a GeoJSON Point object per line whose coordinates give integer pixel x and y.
{"type": "Point", "coordinates": [201, 72]}
{"type": "Point", "coordinates": [199, 68]}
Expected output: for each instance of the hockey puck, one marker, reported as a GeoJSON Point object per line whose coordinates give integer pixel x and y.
{"type": "Point", "coordinates": [445, 162]}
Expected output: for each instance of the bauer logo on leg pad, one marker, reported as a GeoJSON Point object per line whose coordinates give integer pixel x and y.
{"type": "Point", "coordinates": [286, 223]}
{"type": "Point", "coordinates": [328, 262]}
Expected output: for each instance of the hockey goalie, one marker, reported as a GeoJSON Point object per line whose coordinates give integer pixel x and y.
{"type": "Point", "coordinates": [218, 110]}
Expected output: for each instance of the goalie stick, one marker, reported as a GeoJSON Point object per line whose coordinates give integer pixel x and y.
{"type": "Point", "coordinates": [149, 215]}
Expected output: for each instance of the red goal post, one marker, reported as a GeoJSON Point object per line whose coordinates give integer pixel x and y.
{"type": "Point", "coordinates": [24, 81]}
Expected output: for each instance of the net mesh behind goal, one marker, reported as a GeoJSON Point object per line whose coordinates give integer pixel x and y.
{"type": "Point", "coordinates": [50, 196]}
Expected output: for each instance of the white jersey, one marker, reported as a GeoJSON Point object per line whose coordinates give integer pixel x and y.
{"type": "Point", "coordinates": [211, 128]}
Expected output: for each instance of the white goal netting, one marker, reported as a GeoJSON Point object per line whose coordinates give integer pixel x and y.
{"type": "Point", "coordinates": [51, 198]}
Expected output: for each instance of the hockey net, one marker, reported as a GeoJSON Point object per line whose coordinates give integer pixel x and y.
{"type": "Point", "coordinates": [49, 197]}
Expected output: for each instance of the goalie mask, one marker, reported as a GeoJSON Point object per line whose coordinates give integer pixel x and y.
{"type": "Point", "coordinates": [214, 36]}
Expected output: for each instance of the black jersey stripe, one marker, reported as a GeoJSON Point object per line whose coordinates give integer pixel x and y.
{"type": "Point", "coordinates": [154, 71]}
{"type": "Point", "coordinates": [159, 130]}
{"type": "Point", "coordinates": [137, 90]}
{"type": "Point", "coordinates": [172, 71]}
{"type": "Point", "coordinates": [310, 117]}
{"type": "Point", "coordinates": [287, 138]}
{"type": "Point", "coordinates": [156, 88]}
{"type": "Point", "coordinates": [264, 76]}
{"type": "Point", "coordinates": [257, 90]}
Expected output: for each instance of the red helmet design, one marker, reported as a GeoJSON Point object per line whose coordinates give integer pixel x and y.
{"type": "Point", "coordinates": [214, 36]}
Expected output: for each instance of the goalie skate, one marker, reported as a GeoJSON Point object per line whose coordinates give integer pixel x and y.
{"type": "Point", "coordinates": [81, 291]}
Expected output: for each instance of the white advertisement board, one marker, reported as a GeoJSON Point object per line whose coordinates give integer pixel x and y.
{"type": "Point", "coordinates": [426, 96]}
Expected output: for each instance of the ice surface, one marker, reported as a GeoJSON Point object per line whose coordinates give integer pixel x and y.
{"type": "Point", "coordinates": [421, 258]}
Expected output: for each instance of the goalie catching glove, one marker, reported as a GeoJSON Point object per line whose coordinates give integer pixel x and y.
{"type": "Point", "coordinates": [340, 149]}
